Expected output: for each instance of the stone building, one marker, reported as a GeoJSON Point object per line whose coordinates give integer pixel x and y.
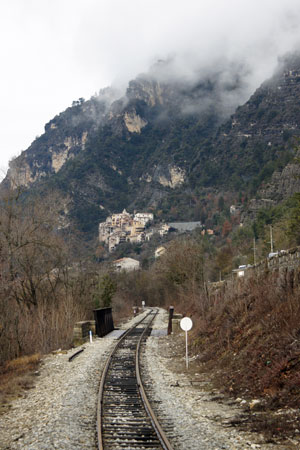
{"type": "Point", "coordinates": [126, 264]}
{"type": "Point", "coordinates": [124, 227]}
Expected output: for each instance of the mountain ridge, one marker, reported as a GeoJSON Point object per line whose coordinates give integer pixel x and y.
{"type": "Point", "coordinates": [163, 146]}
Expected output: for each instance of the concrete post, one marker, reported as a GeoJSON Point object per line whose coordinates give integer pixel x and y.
{"type": "Point", "coordinates": [171, 312]}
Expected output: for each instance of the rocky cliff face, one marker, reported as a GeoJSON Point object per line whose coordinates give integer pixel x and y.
{"type": "Point", "coordinates": [65, 137]}
{"type": "Point", "coordinates": [282, 184]}
{"type": "Point", "coordinates": [258, 136]}
{"type": "Point", "coordinates": [163, 142]}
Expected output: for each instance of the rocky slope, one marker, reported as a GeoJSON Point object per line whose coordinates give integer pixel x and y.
{"type": "Point", "coordinates": [258, 138]}
{"type": "Point", "coordinates": [65, 136]}
{"type": "Point", "coordinates": [164, 143]}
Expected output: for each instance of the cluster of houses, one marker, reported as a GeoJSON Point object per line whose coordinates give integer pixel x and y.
{"type": "Point", "coordinates": [125, 227]}
{"type": "Point", "coordinates": [135, 228]}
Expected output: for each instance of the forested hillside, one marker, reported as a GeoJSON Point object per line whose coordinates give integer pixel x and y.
{"type": "Point", "coordinates": [167, 146]}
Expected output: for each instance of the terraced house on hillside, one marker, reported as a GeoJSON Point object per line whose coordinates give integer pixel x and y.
{"type": "Point", "coordinates": [125, 227]}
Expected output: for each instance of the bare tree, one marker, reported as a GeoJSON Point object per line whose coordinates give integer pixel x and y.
{"type": "Point", "coordinates": [40, 289]}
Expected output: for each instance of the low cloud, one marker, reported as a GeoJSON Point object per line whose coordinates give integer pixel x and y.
{"type": "Point", "coordinates": [127, 37]}
{"type": "Point", "coordinates": [54, 52]}
{"type": "Point", "coordinates": [235, 44]}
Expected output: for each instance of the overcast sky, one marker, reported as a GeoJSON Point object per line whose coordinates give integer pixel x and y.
{"type": "Point", "coordinates": [55, 51]}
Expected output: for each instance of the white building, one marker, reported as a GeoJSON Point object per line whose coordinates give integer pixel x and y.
{"type": "Point", "coordinates": [240, 272]}
{"type": "Point", "coordinates": [164, 229]}
{"type": "Point", "coordinates": [121, 219]}
{"type": "Point", "coordinates": [144, 217]}
{"type": "Point", "coordinates": [126, 264]}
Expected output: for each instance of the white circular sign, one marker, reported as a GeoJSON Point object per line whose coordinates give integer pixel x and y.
{"type": "Point", "coordinates": [186, 324]}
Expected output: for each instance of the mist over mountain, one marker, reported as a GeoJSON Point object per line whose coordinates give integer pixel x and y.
{"type": "Point", "coordinates": [97, 44]}
{"type": "Point", "coordinates": [166, 144]}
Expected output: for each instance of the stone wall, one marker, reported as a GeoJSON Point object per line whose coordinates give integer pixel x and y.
{"type": "Point", "coordinates": [82, 329]}
{"type": "Point", "coordinates": [287, 260]}
{"type": "Point", "coordinates": [285, 266]}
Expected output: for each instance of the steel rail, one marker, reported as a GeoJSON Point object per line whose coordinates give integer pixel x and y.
{"type": "Point", "coordinates": [102, 382]}
{"type": "Point", "coordinates": [159, 431]}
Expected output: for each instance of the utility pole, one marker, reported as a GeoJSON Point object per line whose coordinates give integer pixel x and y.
{"type": "Point", "coordinates": [271, 238]}
{"type": "Point", "coordinates": [254, 251]}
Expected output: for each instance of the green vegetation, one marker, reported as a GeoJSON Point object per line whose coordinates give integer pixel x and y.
{"type": "Point", "coordinates": [104, 291]}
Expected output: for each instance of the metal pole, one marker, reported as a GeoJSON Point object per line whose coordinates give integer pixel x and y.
{"type": "Point", "coordinates": [186, 350]}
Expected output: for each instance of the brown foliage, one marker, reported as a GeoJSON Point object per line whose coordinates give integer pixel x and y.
{"type": "Point", "coordinates": [40, 290]}
{"type": "Point", "coordinates": [250, 336]}
{"type": "Point", "coordinates": [226, 228]}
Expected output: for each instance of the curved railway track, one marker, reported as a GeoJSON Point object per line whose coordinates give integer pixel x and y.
{"type": "Point", "coordinates": [124, 417]}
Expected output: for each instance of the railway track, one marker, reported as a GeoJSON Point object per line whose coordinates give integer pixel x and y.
{"type": "Point", "coordinates": [125, 419]}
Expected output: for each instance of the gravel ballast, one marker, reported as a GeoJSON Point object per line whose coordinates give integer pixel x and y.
{"type": "Point", "coordinates": [60, 411]}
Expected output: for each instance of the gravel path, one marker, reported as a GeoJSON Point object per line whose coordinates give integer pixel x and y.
{"type": "Point", "coordinates": [60, 411]}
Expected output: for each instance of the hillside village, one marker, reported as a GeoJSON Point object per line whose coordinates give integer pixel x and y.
{"type": "Point", "coordinates": [135, 228]}
{"type": "Point", "coordinates": [125, 227]}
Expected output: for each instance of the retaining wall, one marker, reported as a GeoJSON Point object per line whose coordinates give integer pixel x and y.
{"type": "Point", "coordinates": [82, 329]}
{"type": "Point", "coordinates": [285, 267]}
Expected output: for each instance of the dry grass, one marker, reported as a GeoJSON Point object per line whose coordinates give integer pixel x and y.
{"type": "Point", "coordinates": [252, 335]}
{"type": "Point", "coordinates": [274, 426]}
{"type": "Point", "coordinates": [15, 377]}
{"type": "Point", "coordinates": [22, 364]}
